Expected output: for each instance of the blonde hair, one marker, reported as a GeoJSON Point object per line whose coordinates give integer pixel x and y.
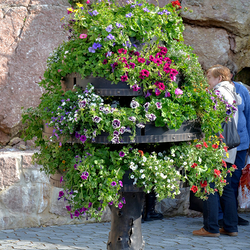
{"type": "Point", "coordinates": [219, 70]}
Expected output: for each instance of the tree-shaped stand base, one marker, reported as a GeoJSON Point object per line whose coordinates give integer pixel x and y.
{"type": "Point", "coordinates": [126, 222]}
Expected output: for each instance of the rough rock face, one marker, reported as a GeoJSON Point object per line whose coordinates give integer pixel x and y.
{"type": "Point", "coordinates": [29, 32]}
{"type": "Point", "coordinates": [219, 29]}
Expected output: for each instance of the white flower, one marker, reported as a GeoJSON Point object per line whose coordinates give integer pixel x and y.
{"type": "Point", "coordinates": [184, 163]}
{"type": "Point", "coordinates": [157, 195]}
{"type": "Point", "coordinates": [144, 159]}
{"type": "Point", "coordinates": [98, 39]}
{"type": "Point", "coordinates": [160, 154]}
{"type": "Point", "coordinates": [173, 155]}
{"type": "Point", "coordinates": [64, 103]}
{"type": "Point", "coordinates": [132, 177]}
{"type": "Point", "coordinates": [199, 160]}
{"type": "Point", "coordinates": [142, 176]}
{"type": "Point", "coordinates": [141, 170]}
{"type": "Point", "coordinates": [156, 168]}
{"type": "Point", "coordinates": [150, 167]}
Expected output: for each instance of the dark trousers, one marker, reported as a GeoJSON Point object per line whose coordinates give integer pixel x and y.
{"type": "Point", "coordinates": [211, 209]}
{"type": "Point", "coordinates": [240, 163]}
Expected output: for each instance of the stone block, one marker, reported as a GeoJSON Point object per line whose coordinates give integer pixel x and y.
{"type": "Point", "coordinates": [35, 176]}
{"type": "Point", "coordinates": [44, 198]}
{"type": "Point", "coordinates": [27, 162]}
{"type": "Point", "coordinates": [9, 172]}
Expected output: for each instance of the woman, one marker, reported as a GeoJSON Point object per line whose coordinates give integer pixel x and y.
{"type": "Point", "coordinates": [219, 78]}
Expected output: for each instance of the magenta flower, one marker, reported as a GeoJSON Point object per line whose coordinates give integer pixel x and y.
{"type": "Point", "coordinates": [90, 204]}
{"type": "Point", "coordinates": [88, 2]}
{"type": "Point", "coordinates": [141, 60]}
{"type": "Point", "coordinates": [61, 193]}
{"type": "Point", "coordinates": [178, 92]}
{"type": "Point", "coordinates": [122, 51]}
{"type": "Point", "coordinates": [124, 78]}
{"type": "Point", "coordinates": [121, 184]}
{"type": "Point", "coordinates": [105, 61]}
{"type": "Point", "coordinates": [113, 183]}
{"type": "Point", "coordinates": [132, 65]}
{"type": "Point", "coordinates": [120, 205]}
{"type": "Point", "coordinates": [121, 154]}
{"type": "Point", "coordinates": [111, 203]}
{"type": "Point", "coordinates": [157, 92]}
{"type": "Point", "coordinates": [83, 138]}
{"type": "Point", "coordinates": [77, 213]}
{"type": "Point", "coordinates": [166, 70]}
{"type": "Point", "coordinates": [174, 72]}
{"type": "Point", "coordinates": [151, 58]}
{"type": "Point", "coordinates": [123, 200]}
{"type": "Point", "coordinates": [135, 87]}
{"type": "Point", "coordinates": [158, 61]}
{"type": "Point", "coordinates": [68, 208]}
{"type": "Point", "coordinates": [83, 36]}
{"type": "Point", "coordinates": [116, 123]}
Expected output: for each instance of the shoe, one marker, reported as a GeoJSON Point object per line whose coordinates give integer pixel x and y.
{"type": "Point", "coordinates": [203, 232]}
{"type": "Point", "coordinates": [220, 222]}
{"type": "Point", "coordinates": [242, 222]}
{"type": "Point", "coordinates": [223, 231]}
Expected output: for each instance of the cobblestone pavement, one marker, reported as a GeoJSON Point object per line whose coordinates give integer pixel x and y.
{"type": "Point", "coordinates": [170, 233]}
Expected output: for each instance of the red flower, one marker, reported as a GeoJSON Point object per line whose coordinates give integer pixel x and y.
{"type": "Point", "coordinates": [203, 184]}
{"type": "Point", "coordinates": [141, 152]}
{"type": "Point", "coordinates": [194, 165]}
{"type": "Point", "coordinates": [234, 166]}
{"type": "Point", "coordinates": [205, 144]}
{"type": "Point", "coordinates": [194, 189]}
{"type": "Point", "coordinates": [215, 146]}
{"type": "Point", "coordinates": [224, 164]}
{"type": "Point", "coordinates": [221, 136]}
{"type": "Point", "coordinates": [199, 146]}
{"type": "Point", "coordinates": [225, 148]}
{"type": "Point", "coordinates": [176, 4]}
{"type": "Point", "coordinates": [217, 172]}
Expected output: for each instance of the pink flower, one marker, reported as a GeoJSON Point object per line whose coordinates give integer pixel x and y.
{"type": "Point", "coordinates": [167, 94]}
{"type": "Point", "coordinates": [59, 70]}
{"type": "Point", "coordinates": [160, 85]}
{"type": "Point", "coordinates": [174, 72]}
{"type": "Point", "coordinates": [120, 205]}
{"type": "Point", "coordinates": [88, 2]}
{"type": "Point", "coordinates": [132, 65]}
{"type": "Point", "coordinates": [151, 58]}
{"type": "Point", "coordinates": [83, 36]}
{"type": "Point", "coordinates": [120, 51]}
{"type": "Point", "coordinates": [178, 92]}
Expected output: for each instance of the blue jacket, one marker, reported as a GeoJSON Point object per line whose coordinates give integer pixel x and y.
{"type": "Point", "coordinates": [243, 126]}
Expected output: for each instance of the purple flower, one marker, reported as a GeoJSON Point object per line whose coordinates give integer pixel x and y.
{"type": "Point", "coordinates": [132, 6]}
{"type": "Point", "coordinates": [68, 208]}
{"type": "Point", "coordinates": [119, 25]}
{"type": "Point", "coordinates": [148, 93]}
{"type": "Point", "coordinates": [96, 119]}
{"type": "Point", "coordinates": [111, 203]}
{"type": "Point", "coordinates": [115, 140]}
{"type": "Point", "coordinates": [83, 138]}
{"type": "Point", "coordinates": [91, 14]}
{"type": "Point", "coordinates": [123, 200]}
{"type": "Point", "coordinates": [146, 10]}
{"type": "Point", "coordinates": [121, 154]}
{"type": "Point", "coordinates": [160, 13]}
{"type": "Point", "coordinates": [132, 65]}
{"type": "Point", "coordinates": [109, 53]}
{"type": "Point", "coordinates": [109, 28]}
{"type": "Point", "coordinates": [97, 45]}
{"type": "Point", "coordinates": [129, 15]}
{"type": "Point", "coordinates": [122, 130]}
{"type": "Point", "coordinates": [61, 179]}
{"type": "Point", "coordinates": [61, 193]}
{"type": "Point", "coordinates": [113, 183]}
{"type": "Point", "coordinates": [140, 125]}
{"type": "Point", "coordinates": [82, 104]}
{"type": "Point", "coordinates": [132, 119]}
{"type": "Point", "coordinates": [116, 123]}
{"type": "Point", "coordinates": [111, 37]}
{"type": "Point", "coordinates": [120, 205]}
{"type": "Point", "coordinates": [121, 184]}
{"type": "Point", "coordinates": [91, 49]}
{"type": "Point", "coordinates": [115, 133]}
{"type": "Point", "coordinates": [77, 213]}
{"type": "Point", "coordinates": [229, 112]}
{"type": "Point", "coordinates": [166, 12]}
{"type": "Point", "coordinates": [151, 117]}
{"type": "Point", "coordinates": [75, 166]}
{"type": "Point", "coordinates": [95, 13]}
{"type": "Point", "coordinates": [158, 105]}
{"type": "Point", "coordinates": [84, 177]}
{"type": "Point", "coordinates": [167, 94]}
{"type": "Point", "coordinates": [90, 204]}
{"type": "Point", "coordinates": [77, 135]}
{"type": "Point", "coordinates": [134, 104]}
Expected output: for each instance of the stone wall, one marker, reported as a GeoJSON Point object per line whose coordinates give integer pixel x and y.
{"type": "Point", "coordinates": [26, 197]}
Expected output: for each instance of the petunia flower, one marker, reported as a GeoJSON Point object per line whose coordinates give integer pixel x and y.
{"type": "Point", "coordinates": [121, 154]}
{"type": "Point", "coordinates": [109, 28]}
{"type": "Point", "coordinates": [113, 183]}
{"type": "Point", "coordinates": [83, 36]}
